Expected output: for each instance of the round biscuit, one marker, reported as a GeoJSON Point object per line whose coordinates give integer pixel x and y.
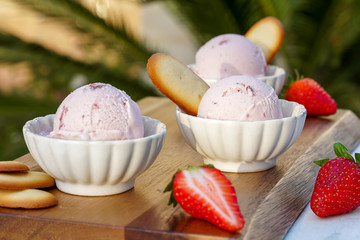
{"type": "Point", "coordinates": [12, 166]}
{"type": "Point", "coordinates": [28, 199]}
{"type": "Point", "coordinates": [25, 180]}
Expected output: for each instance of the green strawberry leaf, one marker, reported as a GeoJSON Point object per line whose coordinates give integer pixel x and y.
{"type": "Point", "coordinates": [172, 200]}
{"type": "Point", "coordinates": [341, 151]}
{"type": "Point", "coordinates": [357, 158]}
{"type": "Point", "coordinates": [209, 165]}
{"type": "Point", "coordinates": [289, 82]}
{"type": "Point", "coordinates": [170, 188]}
{"type": "Point", "coordinates": [321, 162]}
{"type": "Point", "coordinates": [291, 79]}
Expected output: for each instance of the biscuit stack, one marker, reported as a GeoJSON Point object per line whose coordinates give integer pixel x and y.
{"type": "Point", "coordinates": [21, 188]}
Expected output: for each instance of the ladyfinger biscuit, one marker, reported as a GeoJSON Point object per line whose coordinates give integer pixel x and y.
{"type": "Point", "coordinates": [25, 180]}
{"type": "Point", "coordinates": [176, 81]}
{"type": "Point", "coordinates": [28, 198]}
{"type": "Point", "coordinates": [268, 34]}
{"type": "Point", "coordinates": [12, 166]}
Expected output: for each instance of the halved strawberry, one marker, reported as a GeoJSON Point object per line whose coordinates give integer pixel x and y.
{"type": "Point", "coordinates": [205, 193]}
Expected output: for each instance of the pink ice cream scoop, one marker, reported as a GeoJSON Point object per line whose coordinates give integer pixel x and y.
{"type": "Point", "coordinates": [227, 55]}
{"type": "Point", "coordinates": [243, 98]}
{"type": "Point", "coordinates": [98, 111]}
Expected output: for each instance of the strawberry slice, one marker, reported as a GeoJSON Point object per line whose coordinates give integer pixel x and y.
{"type": "Point", "coordinates": [205, 193]}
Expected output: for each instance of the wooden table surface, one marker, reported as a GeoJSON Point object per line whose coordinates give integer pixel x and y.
{"type": "Point", "coordinates": [270, 200]}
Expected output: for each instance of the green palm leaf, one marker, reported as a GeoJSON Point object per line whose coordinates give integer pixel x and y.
{"type": "Point", "coordinates": [81, 19]}
{"type": "Point", "coordinates": [62, 69]}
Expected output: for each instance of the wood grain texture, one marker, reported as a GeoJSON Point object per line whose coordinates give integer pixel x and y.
{"type": "Point", "coordinates": [270, 200]}
{"type": "Point", "coordinates": [288, 197]}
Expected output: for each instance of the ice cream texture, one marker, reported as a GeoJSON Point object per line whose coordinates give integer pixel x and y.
{"type": "Point", "coordinates": [243, 98]}
{"type": "Point", "coordinates": [98, 111]}
{"type": "Point", "coordinates": [227, 55]}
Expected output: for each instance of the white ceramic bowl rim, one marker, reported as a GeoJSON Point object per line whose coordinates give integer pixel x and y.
{"type": "Point", "coordinates": [161, 129]}
{"type": "Point", "coordinates": [278, 71]}
{"type": "Point", "coordinates": [298, 110]}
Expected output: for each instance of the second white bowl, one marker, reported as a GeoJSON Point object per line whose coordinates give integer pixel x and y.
{"type": "Point", "coordinates": [243, 146]}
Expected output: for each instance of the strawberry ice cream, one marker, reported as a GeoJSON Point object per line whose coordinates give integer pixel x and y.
{"type": "Point", "coordinates": [227, 55]}
{"type": "Point", "coordinates": [243, 98]}
{"type": "Point", "coordinates": [98, 111]}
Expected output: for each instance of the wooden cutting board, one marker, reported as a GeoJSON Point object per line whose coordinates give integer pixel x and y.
{"type": "Point", "coordinates": [270, 200]}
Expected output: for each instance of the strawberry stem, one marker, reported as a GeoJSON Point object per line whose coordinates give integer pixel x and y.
{"type": "Point", "coordinates": [341, 151]}
{"type": "Point", "coordinates": [297, 74]}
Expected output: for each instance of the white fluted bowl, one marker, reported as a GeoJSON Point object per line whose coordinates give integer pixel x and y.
{"type": "Point", "coordinates": [275, 77]}
{"type": "Point", "coordinates": [93, 168]}
{"type": "Point", "coordinates": [243, 146]}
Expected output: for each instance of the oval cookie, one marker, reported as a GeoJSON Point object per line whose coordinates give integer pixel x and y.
{"type": "Point", "coordinates": [28, 198]}
{"type": "Point", "coordinates": [25, 180]}
{"type": "Point", "coordinates": [12, 166]}
{"type": "Point", "coordinates": [176, 81]}
{"type": "Point", "coordinates": [268, 34]}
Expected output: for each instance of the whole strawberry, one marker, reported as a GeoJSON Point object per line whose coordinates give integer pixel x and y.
{"type": "Point", "coordinates": [205, 193]}
{"type": "Point", "coordinates": [337, 187]}
{"type": "Point", "coordinates": [315, 99]}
